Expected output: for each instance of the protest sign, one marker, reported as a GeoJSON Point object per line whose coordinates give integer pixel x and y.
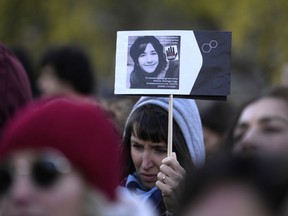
{"type": "Point", "coordinates": [182, 63]}
{"type": "Point", "coordinates": [193, 64]}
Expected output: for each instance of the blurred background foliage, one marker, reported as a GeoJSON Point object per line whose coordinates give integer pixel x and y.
{"type": "Point", "coordinates": [259, 30]}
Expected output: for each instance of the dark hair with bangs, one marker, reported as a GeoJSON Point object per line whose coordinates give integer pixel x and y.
{"type": "Point", "coordinates": [150, 122]}
{"type": "Point", "coordinates": [139, 46]}
{"type": "Point", "coordinates": [71, 64]}
{"type": "Point", "coordinates": [147, 127]}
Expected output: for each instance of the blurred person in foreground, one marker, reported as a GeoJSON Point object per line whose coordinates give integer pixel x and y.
{"type": "Point", "coordinates": [236, 185]}
{"type": "Point", "coordinates": [66, 69]}
{"type": "Point", "coordinates": [15, 90]}
{"type": "Point", "coordinates": [59, 157]}
{"type": "Point", "coordinates": [262, 124]}
{"type": "Point", "coordinates": [216, 118]}
{"type": "Point", "coordinates": [150, 174]}
{"type": "Point", "coordinates": [119, 108]}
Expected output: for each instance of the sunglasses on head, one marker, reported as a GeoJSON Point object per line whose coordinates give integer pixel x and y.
{"type": "Point", "coordinates": [43, 172]}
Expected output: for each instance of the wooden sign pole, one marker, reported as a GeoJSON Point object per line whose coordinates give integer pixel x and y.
{"type": "Point", "coordinates": [170, 127]}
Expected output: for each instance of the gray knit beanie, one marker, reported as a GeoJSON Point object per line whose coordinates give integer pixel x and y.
{"type": "Point", "coordinates": [186, 114]}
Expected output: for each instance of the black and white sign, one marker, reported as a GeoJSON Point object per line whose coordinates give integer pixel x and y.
{"type": "Point", "coordinates": [195, 63]}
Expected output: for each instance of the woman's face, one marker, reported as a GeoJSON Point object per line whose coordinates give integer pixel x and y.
{"type": "Point", "coordinates": [149, 59]}
{"type": "Point", "coordinates": [49, 84]}
{"type": "Point", "coordinates": [44, 197]}
{"type": "Point", "coordinates": [147, 157]}
{"type": "Point", "coordinates": [263, 127]}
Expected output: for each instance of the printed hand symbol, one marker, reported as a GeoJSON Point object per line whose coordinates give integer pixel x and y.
{"type": "Point", "coordinates": [171, 55]}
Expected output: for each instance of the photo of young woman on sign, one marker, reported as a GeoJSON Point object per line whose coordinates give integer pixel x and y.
{"type": "Point", "coordinates": [155, 66]}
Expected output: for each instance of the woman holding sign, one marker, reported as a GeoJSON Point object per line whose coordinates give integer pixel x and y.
{"type": "Point", "coordinates": [150, 174]}
{"type": "Point", "coordinates": [150, 62]}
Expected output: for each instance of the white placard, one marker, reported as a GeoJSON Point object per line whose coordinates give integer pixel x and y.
{"type": "Point", "coordinates": [183, 62]}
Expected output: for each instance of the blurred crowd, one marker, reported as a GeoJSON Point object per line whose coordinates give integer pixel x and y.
{"type": "Point", "coordinates": [65, 150]}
